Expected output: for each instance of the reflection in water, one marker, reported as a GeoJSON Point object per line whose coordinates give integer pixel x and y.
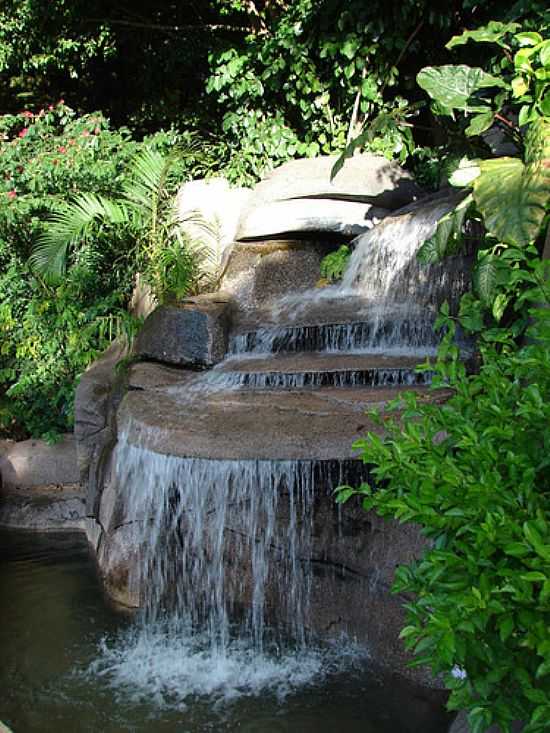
{"type": "Point", "coordinates": [53, 623]}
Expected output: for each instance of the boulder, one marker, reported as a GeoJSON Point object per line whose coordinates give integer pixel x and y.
{"type": "Point", "coordinates": [309, 216]}
{"type": "Point", "coordinates": [33, 462]}
{"type": "Point", "coordinates": [193, 333]}
{"type": "Point", "coordinates": [44, 509]}
{"type": "Point", "coordinates": [299, 196]}
{"type": "Point", "coordinates": [208, 211]}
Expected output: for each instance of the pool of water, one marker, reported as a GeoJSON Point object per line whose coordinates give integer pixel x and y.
{"type": "Point", "coordinates": [69, 663]}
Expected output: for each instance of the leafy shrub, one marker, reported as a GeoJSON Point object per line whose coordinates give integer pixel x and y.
{"type": "Point", "coordinates": [474, 473]}
{"type": "Point", "coordinates": [51, 334]}
{"type": "Point", "coordinates": [334, 264]}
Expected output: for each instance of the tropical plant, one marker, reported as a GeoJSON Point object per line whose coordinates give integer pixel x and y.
{"type": "Point", "coordinates": [474, 474]}
{"type": "Point", "coordinates": [144, 210]}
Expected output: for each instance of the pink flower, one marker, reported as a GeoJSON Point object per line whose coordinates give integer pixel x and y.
{"type": "Point", "coordinates": [72, 141]}
{"type": "Point", "coordinates": [61, 101]}
{"type": "Point", "coordinates": [23, 132]}
{"type": "Point", "coordinates": [12, 195]}
{"type": "Point", "coordinates": [27, 114]}
{"type": "Point", "coordinates": [85, 133]}
{"type": "Point", "coordinates": [61, 149]}
{"type": "Point", "coordinates": [97, 131]}
{"type": "Point", "coordinates": [50, 107]}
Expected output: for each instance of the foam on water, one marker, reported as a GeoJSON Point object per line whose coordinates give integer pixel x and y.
{"type": "Point", "coordinates": [173, 667]}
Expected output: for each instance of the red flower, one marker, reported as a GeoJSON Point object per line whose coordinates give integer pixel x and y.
{"type": "Point", "coordinates": [12, 195]}
{"type": "Point", "coordinates": [61, 149]}
{"type": "Point", "coordinates": [23, 132]}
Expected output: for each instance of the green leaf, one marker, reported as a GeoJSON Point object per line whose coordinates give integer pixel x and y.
{"type": "Point", "coordinates": [493, 32]}
{"type": "Point", "coordinates": [486, 278]}
{"type": "Point", "coordinates": [512, 196]}
{"type": "Point", "coordinates": [519, 86]}
{"type": "Point", "coordinates": [544, 54]}
{"type": "Point", "coordinates": [534, 577]}
{"type": "Point", "coordinates": [480, 123]}
{"type": "Point", "coordinates": [528, 38]}
{"type": "Point", "coordinates": [453, 86]}
{"type": "Point", "coordinates": [447, 238]}
{"type": "Point", "coordinates": [465, 173]}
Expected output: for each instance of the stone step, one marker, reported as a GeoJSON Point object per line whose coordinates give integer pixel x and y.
{"type": "Point", "coordinates": [316, 425]}
{"type": "Point", "coordinates": [319, 369]}
{"type": "Point", "coordinates": [385, 333]}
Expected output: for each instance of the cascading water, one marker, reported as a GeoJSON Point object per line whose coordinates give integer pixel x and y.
{"type": "Point", "coordinates": [224, 576]}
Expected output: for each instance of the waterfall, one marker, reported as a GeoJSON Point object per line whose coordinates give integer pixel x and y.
{"type": "Point", "coordinates": [384, 267]}
{"type": "Point", "coordinates": [224, 575]}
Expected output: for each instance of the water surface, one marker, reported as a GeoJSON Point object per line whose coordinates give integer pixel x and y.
{"type": "Point", "coordinates": [69, 663]}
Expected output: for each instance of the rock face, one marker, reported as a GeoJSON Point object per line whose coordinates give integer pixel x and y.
{"type": "Point", "coordinates": [34, 462]}
{"type": "Point", "coordinates": [259, 272]}
{"type": "Point", "coordinates": [299, 197]}
{"type": "Point", "coordinates": [44, 509]}
{"type": "Point", "coordinates": [97, 396]}
{"type": "Point", "coordinates": [193, 333]}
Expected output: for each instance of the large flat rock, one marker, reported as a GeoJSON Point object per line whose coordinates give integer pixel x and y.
{"type": "Point", "coordinates": [196, 421]}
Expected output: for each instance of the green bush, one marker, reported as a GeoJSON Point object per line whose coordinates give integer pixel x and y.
{"type": "Point", "coordinates": [49, 335]}
{"type": "Point", "coordinates": [474, 473]}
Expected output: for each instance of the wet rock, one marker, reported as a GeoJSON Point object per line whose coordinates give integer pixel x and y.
{"type": "Point", "coordinates": [193, 333]}
{"type": "Point", "coordinates": [33, 462]}
{"type": "Point", "coordinates": [259, 272]}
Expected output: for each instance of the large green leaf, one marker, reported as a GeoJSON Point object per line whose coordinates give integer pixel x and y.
{"type": "Point", "coordinates": [493, 32]}
{"type": "Point", "coordinates": [513, 196]}
{"type": "Point", "coordinates": [447, 238]}
{"type": "Point", "coordinates": [452, 87]}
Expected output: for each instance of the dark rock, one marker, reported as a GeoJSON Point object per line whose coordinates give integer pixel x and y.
{"type": "Point", "coordinates": [194, 333]}
{"type": "Point", "coordinates": [44, 509]}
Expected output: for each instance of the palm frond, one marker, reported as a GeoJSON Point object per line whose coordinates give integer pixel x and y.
{"type": "Point", "coordinates": [146, 185]}
{"type": "Point", "coordinates": [70, 223]}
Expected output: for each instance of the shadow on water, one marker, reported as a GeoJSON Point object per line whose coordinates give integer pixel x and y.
{"type": "Point", "coordinates": [54, 624]}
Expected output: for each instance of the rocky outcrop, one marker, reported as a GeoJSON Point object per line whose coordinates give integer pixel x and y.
{"type": "Point", "coordinates": [299, 197]}
{"type": "Point", "coordinates": [98, 394]}
{"type": "Point", "coordinates": [208, 212]}
{"type": "Point", "coordinates": [193, 333]}
{"type": "Point", "coordinates": [30, 463]}
{"type": "Point", "coordinates": [309, 217]}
